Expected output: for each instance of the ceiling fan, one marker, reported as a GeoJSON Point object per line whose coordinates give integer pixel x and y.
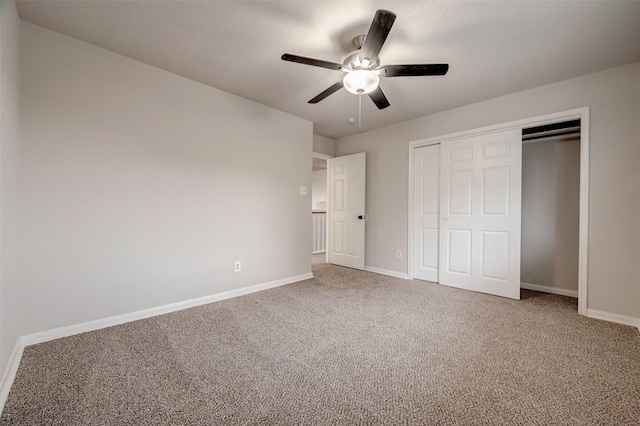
{"type": "Point", "coordinates": [362, 66]}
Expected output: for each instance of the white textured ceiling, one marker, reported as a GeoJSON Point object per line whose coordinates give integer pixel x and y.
{"type": "Point", "coordinates": [493, 48]}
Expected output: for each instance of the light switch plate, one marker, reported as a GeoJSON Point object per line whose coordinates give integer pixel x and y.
{"type": "Point", "coordinates": [303, 190]}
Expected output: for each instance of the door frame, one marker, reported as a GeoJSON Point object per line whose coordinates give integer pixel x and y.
{"type": "Point", "coordinates": [583, 239]}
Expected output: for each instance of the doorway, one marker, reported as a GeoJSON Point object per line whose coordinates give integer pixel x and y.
{"type": "Point", "coordinates": [338, 205]}
{"type": "Point", "coordinates": [581, 114]}
{"type": "Point", "coordinates": [551, 208]}
{"type": "Point", "coordinates": [319, 208]}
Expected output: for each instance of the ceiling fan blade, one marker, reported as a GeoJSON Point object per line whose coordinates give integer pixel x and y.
{"type": "Point", "coordinates": [378, 32]}
{"type": "Point", "coordinates": [378, 98]}
{"type": "Point", "coordinates": [414, 70]}
{"type": "Point", "coordinates": [311, 61]}
{"type": "Point", "coordinates": [327, 92]}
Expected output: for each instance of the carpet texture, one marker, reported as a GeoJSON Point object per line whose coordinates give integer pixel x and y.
{"type": "Point", "coordinates": [347, 347]}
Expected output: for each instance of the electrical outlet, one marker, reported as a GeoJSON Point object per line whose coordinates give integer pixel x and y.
{"type": "Point", "coordinates": [398, 253]}
{"type": "Point", "coordinates": [237, 266]}
{"type": "Point", "coordinates": [303, 190]}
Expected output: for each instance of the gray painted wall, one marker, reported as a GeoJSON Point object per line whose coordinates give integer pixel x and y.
{"type": "Point", "coordinates": [139, 188]}
{"type": "Point", "coordinates": [9, 138]}
{"type": "Point", "coordinates": [326, 146]}
{"type": "Point", "coordinates": [614, 198]}
{"type": "Point", "coordinates": [323, 145]}
{"type": "Point", "coordinates": [319, 188]}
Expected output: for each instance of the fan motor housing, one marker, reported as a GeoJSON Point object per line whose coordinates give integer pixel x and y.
{"type": "Point", "coordinates": [352, 62]}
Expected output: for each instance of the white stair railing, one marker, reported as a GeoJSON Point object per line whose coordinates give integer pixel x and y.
{"type": "Point", "coordinates": [319, 232]}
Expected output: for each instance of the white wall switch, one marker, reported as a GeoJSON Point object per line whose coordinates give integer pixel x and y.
{"type": "Point", "coordinates": [303, 190]}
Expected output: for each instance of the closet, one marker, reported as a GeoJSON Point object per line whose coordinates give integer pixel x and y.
{"type": "Point", "coordinates": [551, 208]}
{"type": "Point", "coordinates": [469, 229]}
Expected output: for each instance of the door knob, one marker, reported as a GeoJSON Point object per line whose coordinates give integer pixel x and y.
{"type": "Point", "coordinates": [360, 217]}
{"type": "Point", "coordinates": [363, 217]}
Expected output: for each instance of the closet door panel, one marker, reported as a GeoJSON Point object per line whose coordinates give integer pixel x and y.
{"type": "Point", "coordinates": [480, 222]}
{"type": "Point", "coordinates": [426, 233]}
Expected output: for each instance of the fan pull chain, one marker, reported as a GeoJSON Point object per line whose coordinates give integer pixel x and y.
{"type": "Point", "coordinates": [360, 109]}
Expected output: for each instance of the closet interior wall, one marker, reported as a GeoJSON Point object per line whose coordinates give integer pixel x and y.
{"type": "Point", "coordinates": [550, 214]}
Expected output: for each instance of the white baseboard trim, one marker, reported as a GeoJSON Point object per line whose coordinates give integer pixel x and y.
{"type": "Point", "coordinates": [552, 290]}
{"type": "Point", "coordinates": [386, 272]}
{"type": "Point", "coordinates": [608, 316]}
{"type": "Point", "coordinates": [10, 372]}
{"type": "Point", "coordinates": [56, 333]}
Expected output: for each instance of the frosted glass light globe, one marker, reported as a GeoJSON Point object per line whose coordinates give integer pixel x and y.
{"type": "Point", "coordinates": [361, 81]}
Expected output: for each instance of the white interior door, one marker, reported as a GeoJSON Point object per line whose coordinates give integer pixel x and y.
{"type": "Point", "coordinates": [426, 216]}
{"type": "Point", "coordinates": [480, 181]}
{"type": "Point", "coordinates": [346, 194]}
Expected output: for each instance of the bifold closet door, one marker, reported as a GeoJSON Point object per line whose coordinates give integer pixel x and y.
{"type": "Point", "coordinates": [480, 207]}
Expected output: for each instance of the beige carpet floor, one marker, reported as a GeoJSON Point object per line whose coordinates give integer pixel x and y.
{"type": "Point", "coordinates": [347, 347]}
{"type": "Point", "coordinates": [318, 258]}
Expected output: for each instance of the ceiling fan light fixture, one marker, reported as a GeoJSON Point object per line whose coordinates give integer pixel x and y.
{"type": "Point", "coordinates": [361, 81]}
{"type": "Point", "coordinates": [362, 66]}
